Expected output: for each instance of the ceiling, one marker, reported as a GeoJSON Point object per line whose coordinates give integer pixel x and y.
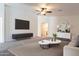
{"type": "Point", "coordinates": [58, 8]}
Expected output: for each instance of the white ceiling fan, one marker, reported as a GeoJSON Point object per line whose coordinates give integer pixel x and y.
{"type": "Point", "coordinates": [43, 11]}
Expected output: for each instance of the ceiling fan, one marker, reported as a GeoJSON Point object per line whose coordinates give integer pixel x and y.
{"type": "Point", "coordinates": [43, 11]}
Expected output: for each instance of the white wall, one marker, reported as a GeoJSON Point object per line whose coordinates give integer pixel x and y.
{"type": "Point", "coordinates": [1, 22]}
{"type": "Point", "coordinates": [22, 11]}
{"type": "Point", "coordinates": [41, 19]}
{"type": "Point", "coordinates": [53, 21]}
{"type": "Point", "coordinates": [72, 20]}
{"type": "Point", "coordinates": [19, 11]}
{"type": "Point", "coordinates": [51, 24]}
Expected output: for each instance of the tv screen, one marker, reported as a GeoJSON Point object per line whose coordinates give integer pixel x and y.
{"type": "Point", "coordinates": [21, 24]}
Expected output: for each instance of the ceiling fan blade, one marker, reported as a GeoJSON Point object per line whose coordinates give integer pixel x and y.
{"type": "Point", "coordinates": [38, 13]}
{"type": "Point", "coordinates": [49, 11]}
{"type": "Point", "coordinates": [37, 10]}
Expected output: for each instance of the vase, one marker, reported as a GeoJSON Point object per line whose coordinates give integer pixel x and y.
{"type": "Point", "coordinates": [54, 38]}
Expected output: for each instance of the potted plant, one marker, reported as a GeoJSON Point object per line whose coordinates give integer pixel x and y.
{"type": "Point", "coordinates": [54, 36]}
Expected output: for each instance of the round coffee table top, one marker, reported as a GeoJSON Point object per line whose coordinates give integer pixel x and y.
{"type": "Point", "coordinates": [55, 42]}
{"type": "Point", "coordinates": [46, 42]}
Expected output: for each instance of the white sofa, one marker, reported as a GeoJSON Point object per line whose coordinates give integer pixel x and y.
{"type": "Point", "coordinates": [71, 49]}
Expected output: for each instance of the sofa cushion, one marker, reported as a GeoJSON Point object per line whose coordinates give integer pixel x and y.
{"type": "Point", "coordinates": [75, 42]}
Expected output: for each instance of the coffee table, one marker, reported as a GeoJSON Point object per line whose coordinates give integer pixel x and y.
{"type": "Point", "coordinates": [55, 42]}
{"type": "Point", "coordinates": [44, 43]}
{"type": "Point", "coordinates": [47, 43]}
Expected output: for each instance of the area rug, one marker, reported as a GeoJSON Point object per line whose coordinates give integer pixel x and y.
{"type": "Point", "coordinates": [32, 48]}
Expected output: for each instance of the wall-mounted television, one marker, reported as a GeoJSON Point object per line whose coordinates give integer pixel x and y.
{"type": "Point", "coordinates": [21, 24]}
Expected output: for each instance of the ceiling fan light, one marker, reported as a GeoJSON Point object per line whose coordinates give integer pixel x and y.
{"type": "Point", "coordinates": [42, 12]}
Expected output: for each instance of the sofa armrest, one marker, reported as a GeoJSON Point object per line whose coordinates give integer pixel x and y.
{"type": "Point", "coordinates": [71, 51]}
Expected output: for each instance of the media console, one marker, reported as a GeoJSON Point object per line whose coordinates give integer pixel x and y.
{"type": "Point", "coordinates": [64, 35]}
{"type": "Point", "coordinates": [22, 36]}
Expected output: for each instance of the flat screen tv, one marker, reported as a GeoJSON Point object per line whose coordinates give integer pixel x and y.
{"type": "Point", "coordinates": [21, 24]}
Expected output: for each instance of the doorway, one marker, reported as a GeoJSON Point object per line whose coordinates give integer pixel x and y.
{"type": "Point", "coordinates": [44, 29]}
